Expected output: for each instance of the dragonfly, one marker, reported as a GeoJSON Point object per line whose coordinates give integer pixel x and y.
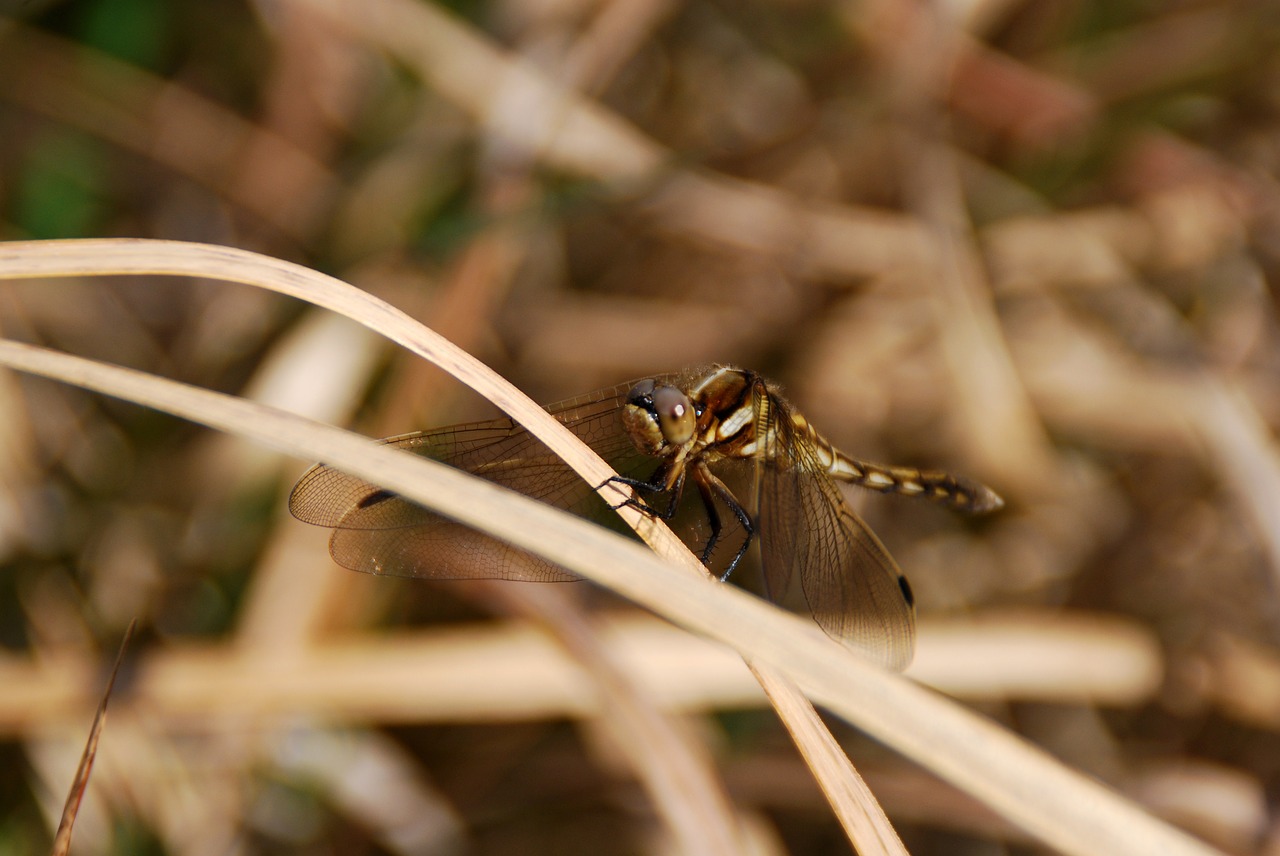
{"type": "Point", "coordinates": [761, 472]}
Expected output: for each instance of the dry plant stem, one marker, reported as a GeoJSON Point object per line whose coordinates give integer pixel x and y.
{"type": "Point", "coordinates": [1061, 807]}
{"type": "Point", "coordinates": [615, 35]}
{"type": "Point", "coordinates": [690, 798]}
{"type": "Point", "coordinates": [1202, 411]}
{"type": "Point", "coordinates": [1052, 802]}
{"type": "Point", "coordinates": [1001, 428]}
{"type": "Point", "coordinates": [675, 768]}
{"type": "Point", "coordinates": [169, 124]}
{"type": "Point", "coordinates": [1244, 450]}
{"type": "Point", "coordinates": [465, 67]}
{"type": "Point", "coordinates": [861, 816]}
{"type": "Point", "coordinates": [58, 258]}
{"type": "Point", "coordinates": [450, 675]}
{"type": "Point", "coordinates": [579, 136]}
{"type": "Point", "coordinates": [62, 840]}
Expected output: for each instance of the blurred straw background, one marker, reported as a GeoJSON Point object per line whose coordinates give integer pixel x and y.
{"type": "Point", "coordinates": [1030, 242]}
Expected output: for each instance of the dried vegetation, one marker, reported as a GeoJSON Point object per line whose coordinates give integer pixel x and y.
{"type": "Point", "coordinates": [1035, 243]}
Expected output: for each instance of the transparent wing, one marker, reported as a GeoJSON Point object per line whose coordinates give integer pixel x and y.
{"type": "Point", "coordinates": [378, 532]}
{"type": "Point", "coordinates": [850, 583]}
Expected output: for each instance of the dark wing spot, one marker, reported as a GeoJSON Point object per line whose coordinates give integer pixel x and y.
{"type": "Point", "coordinates": [374, 498]}
{"type": "Point", "coordinates": [907, 594]}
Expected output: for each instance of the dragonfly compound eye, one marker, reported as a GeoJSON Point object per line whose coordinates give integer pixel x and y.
{"type": "Point", "coordinates": [640, 420]}
{"type": "Point", "coordinates": [675, 415]}
{"type": "Point", "coordinates": [641, 395]}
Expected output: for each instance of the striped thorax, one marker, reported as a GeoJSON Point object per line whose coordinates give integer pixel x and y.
{"type": "Point", "coordinates": [733, 413]}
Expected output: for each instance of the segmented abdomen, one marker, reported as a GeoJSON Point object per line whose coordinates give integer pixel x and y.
{"type": "Point", "coordinates": [953, 491]}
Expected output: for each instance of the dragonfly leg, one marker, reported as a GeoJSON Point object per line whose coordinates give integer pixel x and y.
{"type": "Point", "coordinates": [713, 516]}
{"type": "Point", "coordinates": [711, 488]}
{"type": "Point", "coordinates": [655, 485]}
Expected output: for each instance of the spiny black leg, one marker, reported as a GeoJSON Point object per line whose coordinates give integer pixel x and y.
{"type": "Point", "coordinates": [638, 486]}
{"type": "Point", "coordinates": [743, 518]}
{"type": "Point", "coordinates": [655, 485]}
{"type": "Point", "coordinates": [709, 484]}
{"type": "Point", "coordinates": [713, 516]}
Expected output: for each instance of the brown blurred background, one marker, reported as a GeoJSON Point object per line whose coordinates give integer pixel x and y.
{"type": "Point", "coordinates": [1036, 243]}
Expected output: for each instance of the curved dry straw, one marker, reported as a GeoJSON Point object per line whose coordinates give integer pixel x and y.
{"type": "Point", "coordinates": [1061, 807]}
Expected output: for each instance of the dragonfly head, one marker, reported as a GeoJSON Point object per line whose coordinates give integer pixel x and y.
{"type": "Point", "coordinates": [658, 418]}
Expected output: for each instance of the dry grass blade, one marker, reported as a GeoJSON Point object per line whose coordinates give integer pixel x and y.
{"type": "Point", "coordinates": [679, 772]}
{"type": "Point", "coordinates": [860, 814]}
{"type": "Point", "coordinates": [62, 840]}
{"type": "Point", "coordinates": [833, 675]}
{"type": "Point", "coordinates": [360, 678]}
{"type": "Point", "coordinates": [582, 137]}
{"type": "Point", "coordinates": [197, 137]}
{"type": "Point", "coordinates": [1036, 244]}
{"type": "Point", "coordinates": [1063, 808]}
{"type": "Point", "coordinates": [157, 257]}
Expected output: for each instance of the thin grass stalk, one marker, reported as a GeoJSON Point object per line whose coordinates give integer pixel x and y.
{"type": "Point", "coordinates": [1061, 807]}
{"type": "Point", "coordinates": [140, 257]}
